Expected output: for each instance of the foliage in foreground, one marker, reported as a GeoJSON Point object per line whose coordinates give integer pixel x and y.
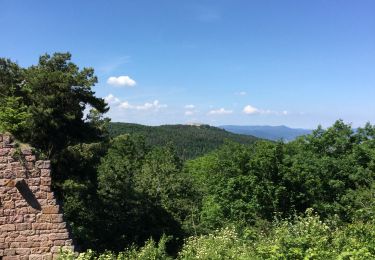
{"type": "Point", "coordinates": [149, 251]}
{"type": "Point", "coordinates": [306, 237]}
{"type": "Point", "coordinates": [332, 171]}
{"type": "Point", "coordinates": [120, 192]}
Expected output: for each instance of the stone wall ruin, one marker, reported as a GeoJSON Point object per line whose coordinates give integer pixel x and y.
{"type": "Point", "coordinates": [31, 223]}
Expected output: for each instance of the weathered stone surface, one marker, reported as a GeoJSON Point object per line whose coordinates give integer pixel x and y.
{"type": "Point", "coordinates": [31, 223]}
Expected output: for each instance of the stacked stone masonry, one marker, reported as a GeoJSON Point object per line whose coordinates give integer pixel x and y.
{"type": "Point", "coordinates": [31, 223]}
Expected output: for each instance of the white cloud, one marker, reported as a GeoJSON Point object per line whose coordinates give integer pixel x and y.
{"type": "Point", "coordinates": [189, 113]}
{"type": "Point", "coordinates": [220, 111]}
{"type": "Point", "coordinates": [121, 81]}
{"type": "Point", "coordinates": [241, 93]}
{"type": "Point", "coordinates": [250, 110]}
{"type": "Point", "coordinates": [125, 105]}
{"type": "Point", "coordinates": [111, 100]}
{"type": "Point", "coordinates": [189, 106]}
{"type": "Point", "coordinates": [155, 106]}
{"type": "Point", "coordinates": [190, 110]}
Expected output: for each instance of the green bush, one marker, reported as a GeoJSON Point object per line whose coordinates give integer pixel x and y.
{"type": "Point", "coordinates": [303, 237]}
{"type": "Point", "coordinates": [150, 251]}
{"type": "Point", "coordinates": [223, 244]}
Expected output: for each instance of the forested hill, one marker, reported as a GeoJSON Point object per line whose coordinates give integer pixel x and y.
{"type": "Point", "coordinates": [190, 141]}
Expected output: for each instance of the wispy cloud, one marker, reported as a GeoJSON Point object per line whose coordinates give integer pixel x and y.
{"type": "Point", "coordinates": [251, 110]}
{"type": "Point", "coordinates": [220, 111]}
{"type": "Point", "coordinates": [189, 106]}
{"type": "Point", "coordinates": [114, 64]}
{"type": "Point", "coordinates": [116, 103]}
{"type": "Point", "coordinates": [190, 110]}
{"type": "Point", "coordinates": [121, 81]}
{"type": "Point", "coordinates": [189, 113]}
{"type": "Point", "coordinates": [154, 106]}
{"type": "Point", "coordinates": [241, 93]}
{"type": "Point", "coordinates": [112, 100]}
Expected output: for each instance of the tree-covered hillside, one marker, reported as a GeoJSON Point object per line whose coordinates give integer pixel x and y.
{"type": "Point", "coordinates": [311, 198]}
{"type": "Point", "coordinates": [189, 141]}
{"type": "Point", "coordinates": [124, 186]}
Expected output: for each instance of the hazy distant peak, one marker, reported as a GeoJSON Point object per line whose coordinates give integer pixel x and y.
{"type": "Point", "coordinates": [268, 132]}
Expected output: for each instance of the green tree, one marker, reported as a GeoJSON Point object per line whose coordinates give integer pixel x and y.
{"type": "Point", "coordinates": [59, 94]}
{"type": "Point", "coordinates": [224, 186]}
{"type": "Point", "coordinates": [129, 215]}
{"type": "Point", "coordinates": [44, 105]}
{"type": "Point", "coordinates": [51, 96]}
{"type": "Point", "coordinates": [322, 169]}
{"type": "Point", "coordinates": [14, 115]}
{"type": "Point", "coordinates": [162, 180]}
{"type": "Point", "coordinates": [11, 79]}
{"type": "Point", "coordinates": [77, 182]}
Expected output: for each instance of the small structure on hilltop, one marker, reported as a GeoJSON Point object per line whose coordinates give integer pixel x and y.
{"type": "Point", "coordinates": [31, 223]}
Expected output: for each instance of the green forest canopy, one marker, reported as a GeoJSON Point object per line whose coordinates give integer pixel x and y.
{"type": "Point", "coordinates": [189, 141]}
{"type": "Point", "coordinates": [309, 198]}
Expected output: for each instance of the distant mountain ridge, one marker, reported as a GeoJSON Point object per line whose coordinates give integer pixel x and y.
{"type": "Point", "coordinates": [190, 141]}
{"type": "Point", "coordinates": [268, 132]}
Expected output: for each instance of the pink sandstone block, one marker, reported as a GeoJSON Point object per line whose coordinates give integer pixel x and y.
{"type": "Point", "coordinates": [28, 232]}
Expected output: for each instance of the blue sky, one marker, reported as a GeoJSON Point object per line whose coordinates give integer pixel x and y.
{"type": "Point", "coordinates": [268, 62]}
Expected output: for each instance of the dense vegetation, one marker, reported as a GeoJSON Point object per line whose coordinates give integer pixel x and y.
{"type": "Point", "coordinates": [189, 141]}
{"type": "Point", "coordinates": [312, 198]}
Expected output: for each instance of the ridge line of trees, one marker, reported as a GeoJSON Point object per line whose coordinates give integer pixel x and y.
{"type": "Point", "coordinates": [238, 201]}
